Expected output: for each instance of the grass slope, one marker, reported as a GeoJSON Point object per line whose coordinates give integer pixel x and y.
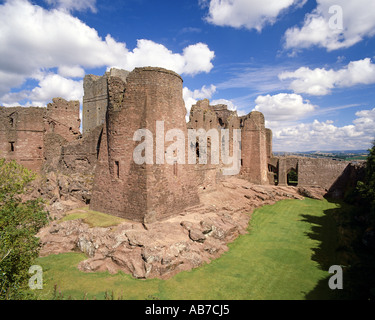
{"type": "Point", "coordinates": [273, 261]}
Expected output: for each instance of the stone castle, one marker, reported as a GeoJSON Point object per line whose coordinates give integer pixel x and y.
{"type": "Point", "coordinates": [115, 106]}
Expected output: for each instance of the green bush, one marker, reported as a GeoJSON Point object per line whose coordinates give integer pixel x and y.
{"type": "Point", "coordinates": [20, 221]}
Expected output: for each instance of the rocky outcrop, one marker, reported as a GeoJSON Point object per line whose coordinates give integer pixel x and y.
{"type": "Point", "coordinates": [164, 248]}
{"type": "Point", "coordinates": [61, 192]}
{"type": "Point", "coordinates": [314, 192]}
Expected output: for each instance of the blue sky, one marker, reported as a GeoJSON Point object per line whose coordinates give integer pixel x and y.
{"type": "Point", "coordinates": [309, 66]}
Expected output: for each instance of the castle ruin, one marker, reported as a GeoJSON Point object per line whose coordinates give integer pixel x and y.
{"type": "Point", "coordinates": [118, 104]}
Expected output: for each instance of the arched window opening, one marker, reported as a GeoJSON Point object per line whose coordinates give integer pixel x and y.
{"type": "Point", "coordinates": [292, 177]}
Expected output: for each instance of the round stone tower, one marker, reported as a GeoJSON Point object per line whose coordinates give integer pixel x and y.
{"type": "Point", "coordinates": [151, 101]}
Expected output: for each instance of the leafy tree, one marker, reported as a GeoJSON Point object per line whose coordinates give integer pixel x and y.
{"type": "Point", "coordinates": [366, 188]}
{"type": "Point", "coordinates": [20, 221]}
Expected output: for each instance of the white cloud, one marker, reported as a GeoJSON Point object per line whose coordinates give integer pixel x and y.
{"type": "Point", "coordinates": [71, 5]}
{"type": "Point", "coordinates": [35, 40]}
{"type": "Point", "coordinates": [54, 85]}
{"type": "Point", "coordinates": [251, 14]}
{"type": "Point", "coordinates": [321, 81]}
{"type": "Point", "coordinates": [283, 107]}
{"type": "Point", "coordinates": [321, 27]}
{"type": "Point", "coordinates": [366, 121]}
{"type": "Point", "coordinates": [71, 72]}
{"type": "Point", "coordinates": [326, 136]}
{"type": "Point", "coordinates": [195, 58]}
{"type": "Point", "coordinates": [50, 86]}
{"type": "Point", "coordinates": [191, 97]}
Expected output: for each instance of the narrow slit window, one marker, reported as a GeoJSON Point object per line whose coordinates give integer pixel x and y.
{"type": "Point", "coordinates": [11, 146]}
{"type": "Point", "coordinates": [117, 169]}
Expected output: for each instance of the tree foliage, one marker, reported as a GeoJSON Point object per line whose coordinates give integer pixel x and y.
{"type": "Point", "coordinates": [366, 188]}
{"type": "Point", "coordinates": [20, 221]}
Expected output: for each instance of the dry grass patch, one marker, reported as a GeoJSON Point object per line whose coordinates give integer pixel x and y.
{"type": "Point", "coordinates": [93, 218]}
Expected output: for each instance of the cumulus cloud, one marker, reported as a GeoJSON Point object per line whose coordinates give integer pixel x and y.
{"type": "Point", "coordinates": [250, 14]}
{"type": "Point", "coordinates": [194, 59]}
{"type": "Point", "coordinates": [35, 40]}
{"type": "Point", "coordinates": [365, 121]}
{"type": "Point", "coordinates": [54, 85]}
{"type": "Point", "coordinates": [283, 107]}
{"type": "Point", "coordinates": [191, 97]}
{"type": "Point", "coordinates": [320, 81]}
{"type": "Point", "coordinates": [50, 86]}
{"type": "Point", "coordinates": [319, 135]}
{"type": "Point", "coordinates": [71, 72]}
{"type": "Point", "coordinates": [322, 27]}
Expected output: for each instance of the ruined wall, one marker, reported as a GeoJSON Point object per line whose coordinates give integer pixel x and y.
{"type": "Point", "coordinates": [95, 102]}
{"type": "Point", "coordinates": [254, 149]}
{"type": "Point", "coordinates": [146, 192]}
{"type": "Point", "coordinates": [269, 143]}
{"type": "Point", "coordinates": [78, 156]}
{"type": "Point", "coordinates": [81, 155]}
{"type": "Point", "coordinates": [203, 116]}
{"type": "Point", "coordinates": [33, 136]}
{"type": "Point", "coordinates": [223, 114]}
{"type": "Point", "coordinates": [334, 176]}
{"type": "Point", "coordinates": [285, 165]}
{"type": "Point", "coordinates": [95, 99]}
{"type": "Point", "coordinates": [347, 181]}
{"type": "Point", "coordinates": [256, 141]}
{"type": "Point", "coordinates": [62, 118]}
{"type": "Point", "coordinates": [320, 172]}
{"type": "Point", "coordinates": [21, 135]}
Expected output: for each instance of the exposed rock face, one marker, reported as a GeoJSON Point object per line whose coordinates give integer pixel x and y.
{"type": "Point", "coordinates": [62, 192]}
{"type": "Point", "coordinates": [316, 192]}
{"type": "Point", "coordinates": [164, 248]}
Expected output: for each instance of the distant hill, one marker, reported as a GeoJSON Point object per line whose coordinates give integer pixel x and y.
{"type": "Point", "coordinates": [337, 154]}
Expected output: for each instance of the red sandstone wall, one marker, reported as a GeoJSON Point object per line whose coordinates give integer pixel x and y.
{"type": "Point", "coordinates": [62, 117]}
{"type": "Point", "coordinates": [142, 192]}
{"type": "Point", "coordinates": [320, 172]}
{"type": "Point", "coordinates": [21, 136]}
{"type": "Point", "coordinates": [254, 149]}
{"type": "Point", "coordinates": [23, 132]}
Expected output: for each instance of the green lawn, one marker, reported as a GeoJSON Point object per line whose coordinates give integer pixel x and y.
{"type": "Point", "coordinates": [275, 260]}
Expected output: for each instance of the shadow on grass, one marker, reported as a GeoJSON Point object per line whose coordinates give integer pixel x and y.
{"type": "Point", "coordinates": [339, 235]}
